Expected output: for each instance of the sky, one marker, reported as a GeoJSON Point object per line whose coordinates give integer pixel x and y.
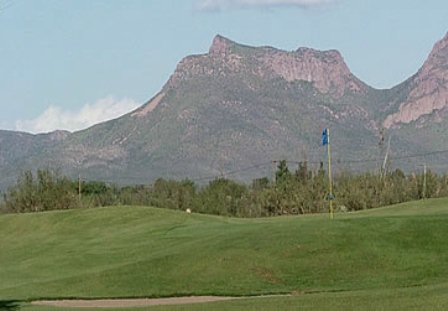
{"type": "Point", "coordinates": [68, 64]}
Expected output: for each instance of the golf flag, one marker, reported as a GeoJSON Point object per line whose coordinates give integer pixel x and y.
{"type": "Point", "coordinates": [326, 142]}
{"type": "Point", "coordinates": [325, 137]}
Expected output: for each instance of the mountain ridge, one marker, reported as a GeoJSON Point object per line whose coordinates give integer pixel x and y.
{"type": "Point", "coordinates": [236, 106]}
{"type": "Point", "coordinates": [303, 64]}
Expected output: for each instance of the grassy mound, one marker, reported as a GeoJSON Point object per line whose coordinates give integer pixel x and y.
{"type": "Point", "coordinates": [147, 252]}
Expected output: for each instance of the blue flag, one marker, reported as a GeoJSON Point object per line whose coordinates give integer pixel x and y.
{"type": "Point", "coordinates": [325, 137]}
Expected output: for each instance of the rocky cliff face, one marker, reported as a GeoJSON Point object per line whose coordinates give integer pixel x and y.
{"type": "Point", "coordinates": [326, 70]}
{"type": "Point", "coordinates": [429, 90]}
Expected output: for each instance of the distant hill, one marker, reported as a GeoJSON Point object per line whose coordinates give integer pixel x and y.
{"type": "Point", "coordinates": [238, 107]}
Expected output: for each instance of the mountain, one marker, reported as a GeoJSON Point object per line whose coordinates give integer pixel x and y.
{"type": "Point", "coordinates": [16, 148]}
{"type": "Point", "coordinates": [427, 92]}
{"type": "Point", "coordinates": [418, 110]}
{"type": "Point", "coordinates": [237, 107]}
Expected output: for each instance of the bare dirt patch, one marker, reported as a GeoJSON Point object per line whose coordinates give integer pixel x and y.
{"type": "Point", "coordinates": [149, 106]}
{"type": "Point", "coordinates": [114, 303]}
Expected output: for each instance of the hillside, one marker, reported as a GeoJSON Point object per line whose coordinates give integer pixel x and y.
{"type": "Point", "coordinates": [239, 106]}
{"type": "Point", "coordinates": [18, 150]}
{"type": "Point", "coordinates": [146, 252]}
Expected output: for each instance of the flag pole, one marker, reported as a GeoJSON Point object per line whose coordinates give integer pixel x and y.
{"type": "Point", "coordinates": [330, 178]}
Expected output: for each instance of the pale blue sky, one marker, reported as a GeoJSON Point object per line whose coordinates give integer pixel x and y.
{"type": "Point", "coordinates": [91, 54]}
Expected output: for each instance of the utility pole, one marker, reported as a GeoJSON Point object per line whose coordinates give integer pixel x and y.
{"type": "Point", "coordinates": [274, 163]}
{"type": "Point", "coordinates": [424, 182]}
{"type": "Point", "coordinates": [79, 187]}
{"type": "Point", "coordinates": [384, 167]}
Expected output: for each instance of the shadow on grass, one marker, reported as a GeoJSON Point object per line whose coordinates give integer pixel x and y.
{"type": "Point", "coordinates": [9, 305]}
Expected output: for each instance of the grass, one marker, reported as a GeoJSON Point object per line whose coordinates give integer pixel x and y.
{"type": "Point", "coordinates": [415, 298]}
{"type": "Point", "coordinates": [394, 256]}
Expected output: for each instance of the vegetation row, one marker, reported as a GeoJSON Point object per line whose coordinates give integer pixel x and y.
{"type": "Point", "coordinates": [301, 191]}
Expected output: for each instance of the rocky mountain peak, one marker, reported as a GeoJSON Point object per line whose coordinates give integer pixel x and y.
{"type": "Point", "coordinates": [438, 57]}
{"type": "Point", "coordinates": [326, 70]}
{"type": "Point", "coordinates": [429, 91]}
{"type": "Point", "coordinates": [441, 47]}
{"type": "Point", "coordinates": [220, 45]}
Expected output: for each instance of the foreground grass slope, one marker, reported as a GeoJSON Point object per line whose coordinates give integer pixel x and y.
{"type": "Point", "coordinates": [411, 298]}
{"type": "Point", "coordinates": [146, 252]}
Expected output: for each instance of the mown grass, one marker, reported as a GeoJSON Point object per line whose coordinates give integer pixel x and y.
{"type": "Point", "coordinates": [390, 255]}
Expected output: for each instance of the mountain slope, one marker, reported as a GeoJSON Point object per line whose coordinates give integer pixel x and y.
{"type": "Point", "coordinates": [419, 110]}
{"type": "Point", "coordinates": [239, 106]}
{"type": "Point", "coordinates": [17, 149]}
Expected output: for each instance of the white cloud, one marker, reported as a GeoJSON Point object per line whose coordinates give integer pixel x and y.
{"type": "Point", "coordinates": [219, 5]}
{"type": "Point", "coordinates": [57, 118]}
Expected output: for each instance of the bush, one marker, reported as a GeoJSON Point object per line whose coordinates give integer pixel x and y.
{"type": "Point", "coordinates": [300, 192]}
{"type": "Point", "coordinates": [46, 190]}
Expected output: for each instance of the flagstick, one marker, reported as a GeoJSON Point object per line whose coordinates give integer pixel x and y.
{"type": "Point", "coordinates": [330, 197]}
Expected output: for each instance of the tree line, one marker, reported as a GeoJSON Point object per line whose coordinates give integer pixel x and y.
{"type": "Point", "coordinates": [302, 191]}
